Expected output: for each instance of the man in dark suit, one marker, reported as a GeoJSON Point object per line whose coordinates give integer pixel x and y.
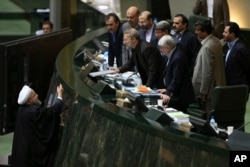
{"type": "Point", "coordinates": [189, 42]}
{"type": "Point", "coordinates": [215, 10]}
{"type": "Point", "coordinates": [145, 57]}
{"type": "Point", "coordinates": [147, 30]}
{"type": "Point", "coordinates": [237, 60]}
{"type": "Point", "coordinates": [178, 91]}
{"type": "Point", "coordinates": [115, 35]}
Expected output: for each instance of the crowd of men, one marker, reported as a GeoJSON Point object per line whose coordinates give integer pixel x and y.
{"type": "Point", "coordinates": [183, 65]}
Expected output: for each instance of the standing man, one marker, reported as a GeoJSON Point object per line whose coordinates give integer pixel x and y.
{"type": "Point", "coordinates": [216, 10]}
{"type": "Point", "coordinates": [115, 36]}
{"type": "Point", "coordinates": [132, 15]}
{"type": "Point", "coordinates": [146, 57]}
{"type": "Point", "coordinates": [237, 60]}
{"type": "Point", "coordinates": [178, 91]}
{"type": "Point", "coordinates": [147, 31]}
{"type": "Point", "coordinates": [209, 68]}
{"type": "Point", "coordinates": [162, 28]}
{"type": "Point", "coordinates": [188, 40]}
{"type": "Point", "coordinates": [36, 132]}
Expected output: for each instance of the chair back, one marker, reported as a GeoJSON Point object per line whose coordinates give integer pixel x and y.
{"type": "Point", "coordinates": [229, 105]}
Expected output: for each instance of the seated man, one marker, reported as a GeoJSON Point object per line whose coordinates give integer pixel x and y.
{"type": "Point", "coordinates": [47, 27]}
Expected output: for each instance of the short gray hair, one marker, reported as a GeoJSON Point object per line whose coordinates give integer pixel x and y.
{"type": "Point", "coordinates": [167, 40]}
{"type": "Point", "coordinates": [132, 32]}
{"type": "Point", "coordinates": [163, 25]}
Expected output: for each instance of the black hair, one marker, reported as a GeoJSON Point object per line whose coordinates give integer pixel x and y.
{"type": "Point", "coordinates": [116, 18]}
{"type": "Point", "coordinates": [49, 23]}
{"type": "Point", "coordinates": [205, 26]}
{"type": "Point", "coordinates": [234, 28]}
{"type": "Point", "coordinates": [184, 18]}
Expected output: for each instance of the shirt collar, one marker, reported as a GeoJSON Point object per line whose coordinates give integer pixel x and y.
{"type": "Point", "coordinates": [231, 44]}
{"type": "Point", "coordinates": [170, 54]}
{"type": "Point", "coordinates": [205, 39]}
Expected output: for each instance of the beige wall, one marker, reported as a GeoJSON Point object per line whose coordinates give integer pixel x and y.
{"type": "Point", "coordinates": [239, 10]}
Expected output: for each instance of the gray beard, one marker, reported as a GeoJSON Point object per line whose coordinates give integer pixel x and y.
{"type": "Point", "coordinates": [37, 102]}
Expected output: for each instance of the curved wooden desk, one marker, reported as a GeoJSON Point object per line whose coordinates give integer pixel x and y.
{"type": "Point", "coordinates": [98, 133]}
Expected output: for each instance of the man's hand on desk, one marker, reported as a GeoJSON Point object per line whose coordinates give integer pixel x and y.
{"type": "Point", "coordinates": [117, 70]}
{"type": "Point", "coordinates": [165, 99]}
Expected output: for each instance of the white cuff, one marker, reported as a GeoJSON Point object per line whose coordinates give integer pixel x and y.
{"type": "Point", "coordinates": [60, 98]}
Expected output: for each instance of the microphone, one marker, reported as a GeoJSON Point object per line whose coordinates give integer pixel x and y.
{"type": "Point", "coordinates": [129, 80]}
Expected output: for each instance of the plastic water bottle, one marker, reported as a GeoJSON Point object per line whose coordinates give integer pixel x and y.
{"type": "Point", "coordinates": [105, 65]}
{"type": "Point", "coordinates": [212, 123]}
{"type": "Point", "coordinates": [106, 55]}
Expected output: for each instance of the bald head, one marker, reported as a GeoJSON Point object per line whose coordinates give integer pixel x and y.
{"type": "Point", "coordinates": [132, 15]}
{"type": "Point", "coordinates": [146, 14]}
{"type": "Point", "coordinates": [133, 10]}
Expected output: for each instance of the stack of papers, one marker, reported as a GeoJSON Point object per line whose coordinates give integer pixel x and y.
{"type": "Point", "coordinates": [101, 73]}
{"type": "Point", "coordinates": [179, 117]}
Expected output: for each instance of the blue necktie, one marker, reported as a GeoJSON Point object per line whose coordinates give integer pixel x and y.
{"type": "Point", "coordinates": [178, 36]}
{"type": "Point", "coordinates": [113, 35]}
{"type": "Point", "coordinates": [229, 50]}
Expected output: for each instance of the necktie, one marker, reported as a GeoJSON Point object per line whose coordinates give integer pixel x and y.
{"type": "Point", "coordinates": [228, 52]}
{"type": "Point", "coordinates": [178, 36]}
{"type": "Point", "coordinates": [113, 35]}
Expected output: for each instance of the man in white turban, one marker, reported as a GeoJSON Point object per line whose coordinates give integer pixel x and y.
{"type": "Point", "coordinates": [36, 132]}
{"type": "Point", "coordinates": [26, 96]}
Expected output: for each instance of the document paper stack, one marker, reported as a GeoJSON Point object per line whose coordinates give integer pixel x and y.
{"type": "Point", "coordinates": [179, 117]}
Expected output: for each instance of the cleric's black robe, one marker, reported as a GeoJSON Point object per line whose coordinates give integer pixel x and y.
{"type": "Point", "coordinates": [36, 135]}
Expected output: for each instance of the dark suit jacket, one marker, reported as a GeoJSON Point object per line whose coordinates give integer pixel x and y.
{"type": "Point", "coordinates": [153, 39]}
{"type": "Point", "coordinates": [178, 82]}
{"type": "Point", "coordinates": [190, 45]}
{"type": "Point", "coordinates": [149, 63]}
{"type": "Point", "coordinates": [115, 47]}
{"type": "Point", "coordinates": [237, 66]}
{"type": "Point", "coordinates": [220, 14]}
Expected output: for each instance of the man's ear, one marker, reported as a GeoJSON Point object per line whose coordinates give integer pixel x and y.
{"type": "Point", "coordinates": [29, 101]}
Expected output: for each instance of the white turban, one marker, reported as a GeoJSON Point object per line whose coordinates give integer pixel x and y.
{"type": "Point", "coordinates": [24, 95]}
